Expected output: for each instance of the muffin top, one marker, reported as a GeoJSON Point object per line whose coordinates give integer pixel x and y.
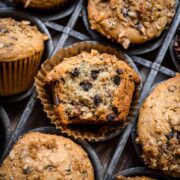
{"type": "Point", "coordinates": [130, 21]}
{"type": "Point", "coordinates": [159, 127]}
{"type": "Point", "coordinates": [39, 4]}
{"type": "Point", "coordinates": [134, 178]}
{"type": "Point", "coordinates": [42, 156]}
{"type": "Point", "coordinates": [92, 88]}
{"type": "Point", "coordinates": [19, 40]}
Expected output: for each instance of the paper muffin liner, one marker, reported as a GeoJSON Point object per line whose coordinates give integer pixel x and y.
{"type": "Point", "coordinates": [92, 133]}
{"type": "Point", "coordinates": [17, 76]}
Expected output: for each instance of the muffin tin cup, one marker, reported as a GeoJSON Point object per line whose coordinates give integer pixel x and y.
{"type": "Point", "coordinates": [17, 76]}
{"type": "Point", "coordinates": [53, 13]}
{"type": "Point", "coordinates": [91, 153]}
{"type": "Point", "coordinates": [173, 52]}
{"type": "Point", "coordinates": [134, 135]}
{"type": "Point", "coordinates": [87, 148]}
{"type": "Point", "coordinates": [141, 171]}
{"type": "Point", "coordinates": [5, 129]}
{"type": "Point", "coordinates": [91, 132]}
{"type": "Point", "coordinates": [133, 49]}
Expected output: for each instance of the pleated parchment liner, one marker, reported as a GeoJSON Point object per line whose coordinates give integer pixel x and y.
{"type": "Point", "coordinates": [83, 132]}
{"type": "Point", "coordinates": [17, 76]}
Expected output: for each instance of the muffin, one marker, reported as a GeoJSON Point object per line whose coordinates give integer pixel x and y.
{"type": "Point", "coordinates": [44, 156]}
{"type": "Point", "coordinates": [92, 88]}
{"type": "Point", "coordinates": [45, 4]}
{"type": "Point", "coordinates": [159, 127]}
{"type": "Point", "coordinates": [130, 22]}
{"type": "Point", "coordinates": [134, 178]}
{"type": "Point", "coordinates": [21, 48]}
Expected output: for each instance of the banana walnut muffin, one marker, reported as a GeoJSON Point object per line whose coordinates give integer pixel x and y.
{"type": "Point", "coordinates": [46, 157]}
{"type": "Point", "coordinates": [21, 49]}
{"type": "Point", "coordinates": [130, 21]}
{"type": "Point", "coordinates": [159, 127]}
{"type": "Point", "coordinates": [92, 88]}
{"type": "Point", "coordinates": [134, 178]}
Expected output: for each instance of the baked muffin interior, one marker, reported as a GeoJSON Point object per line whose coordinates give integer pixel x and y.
{"type": "Point", "coordinates": [91, 88]}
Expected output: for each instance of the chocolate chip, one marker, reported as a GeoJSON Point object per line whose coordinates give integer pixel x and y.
{"type": "Point", "coordinates": [62, 80]}
{"type": "Point", "coordinates": [124, 11]}
{"type": "Point", "coordinates": [116, 80]}
{"type": "Point", "coordinates": [4, 30]}
{"type": "Point", "coordinates": [119, 71]}
{"type": "Point", "coordinates": [170, 135]}
{"type": "Point", "coordinates": [75, 73]}
{"type": "Point", "coordinates": [115, 110]}
{"type": "Point", "coordinates": [110, 117]}
{"type": "Point", "coordinates": [178, 135]}
{"type": "Point", "coordinates": [57, 100]}
{"type": "Point", "coordinates": [94, 74]}
{"type": "Point", "coordinates": [97, 100]}
{"type": "Point", "coordinates": [49, 167]}
{"type": "Point", "coordinates": [27, 170]}
{"type": "Point", "coordinates": [86, 86]}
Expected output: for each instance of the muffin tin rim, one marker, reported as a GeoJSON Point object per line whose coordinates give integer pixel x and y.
{"type": "Point", "coordinates": [173, 52]}
{"type": "Point", "coordinates": [85, 145]}
{"type": "Point", "coordinates": [6, 125]}
{"type": "Point", "coordinates": [134, 135]}
{"type": "Point", "coordinates": [141, 171]}
{"type": "Point", "coordinates": [142, 49]}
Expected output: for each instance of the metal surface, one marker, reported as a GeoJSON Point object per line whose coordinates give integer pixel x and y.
{"type": "Point", "coordinates": [114, 154]}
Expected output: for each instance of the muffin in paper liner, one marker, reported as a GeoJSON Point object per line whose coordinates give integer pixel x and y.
{"type": "Point", "coordinates": [17, 76]}
{"type": "Point", "coordinates": [84, 132]}
{"type": "Point", "coordinates": [22, 46]}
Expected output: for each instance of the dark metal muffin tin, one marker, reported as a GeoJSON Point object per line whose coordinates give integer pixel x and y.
{"type": "Point", "coordinates": [173, 52]}
{"type": "Point", "coordinates": [133, 49]}
{"type": "Point", "coordinates": [154, 67]}
{"type": "Point", "coordinates": [141, 171]}
{"type": "Point", "coordinates": [4, 129]}
{"type": "Point", "coordinates": [18, 15]}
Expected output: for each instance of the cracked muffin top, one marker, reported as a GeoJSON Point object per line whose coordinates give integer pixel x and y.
{"type": "Point", "coordinates": [19, 40]}
{"type": "Point", "coordinates": [159, 127]}
{"type": "Point", "coordinates": [134, 178]}
{"type": "Point", "coordinates": [43, 156]}
{"type": "Point", "coordinates": [42, 4]}
{"type": "Point", "coordinates": [92, 88]}
{"type": "Point", "coordinates": [130, 21]}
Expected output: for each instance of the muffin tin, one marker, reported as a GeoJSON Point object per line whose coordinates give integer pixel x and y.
{"type": "Point", "coordinates": [173, 53]}
{"type": "Point", "coordinates": [117, 153]}
{"type": "Point", "coordinates": [141, 171]}
{"type": "Point", "coordinates": [133, 49]}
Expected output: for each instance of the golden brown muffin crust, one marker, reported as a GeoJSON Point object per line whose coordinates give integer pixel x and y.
{"type": "Point", "coordinates": [19, 40]}
{"type": "Point", "coordinates": [159, 127]}
{"type": "Point", "coordinates": [46, 157]}
{"type": "Point", "coordinates": [130, 21]}
{"type": "Point", "coordinates": [92, 88]}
